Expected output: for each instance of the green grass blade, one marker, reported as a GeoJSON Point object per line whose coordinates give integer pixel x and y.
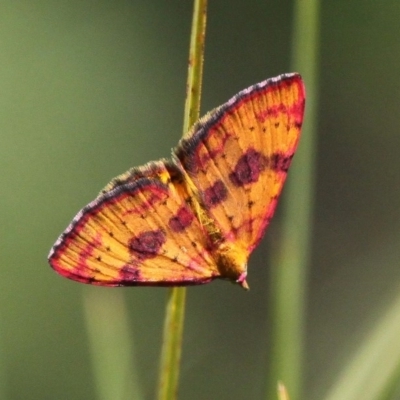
{"type": "Point", "coordinates": [282, 392]}
{"type": "Point", "coordinates": [111, 345]}
{"type": "Point", "coordinates": [291, 259]}
{"type": "Point", "coordinates": [175, 313]}
{"type": "Point", "coordinates": [391, 389]}
{"type": "Point", "coordinates": [372, 373]}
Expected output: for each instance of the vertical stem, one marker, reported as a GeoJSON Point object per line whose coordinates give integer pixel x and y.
{"type": "Point", "coordinates": [172, 345]}
{"type": "Point", "coordinates": [175, 312]}
{"type": "Point", "coordinates": [195, 65]}
{"type": "Point", "coordinates": [291, 258]}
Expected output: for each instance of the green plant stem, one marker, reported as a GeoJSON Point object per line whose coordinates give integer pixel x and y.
{"type": "Point", "coordinates": [195, 65]}
{"type": "Point", "coordinates": [175, 313]}
{"type": "Point", "coordinates": [291, 258]}
{"type": "Point", "coordinates": [172, 343]}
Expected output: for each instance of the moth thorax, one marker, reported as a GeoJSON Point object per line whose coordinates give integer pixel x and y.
{"type": "Point", "coordinates": [232, 263]}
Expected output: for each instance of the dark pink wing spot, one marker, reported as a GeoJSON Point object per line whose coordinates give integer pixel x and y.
{"type": "Point", "coordinates": [147, 244]}
{"type": "Point", "coordinates": [87, 252]}
{"type": "Point", "coordinates": [215, 194]}
{"type": "Point", "coordinates": [297, 110]}
{"type": "Point", "coordinates": [272, 111]}
{"type": "Point", "coordinates": [281, 161]}
{"type": "Point", "coordinates": [248, 168]}
{"type": "Point", "coordinates": [129, 273]}
{"type": "Point", "coordinates": [203, 158]}
{"type": "Point", "coordinates": [181, 220]}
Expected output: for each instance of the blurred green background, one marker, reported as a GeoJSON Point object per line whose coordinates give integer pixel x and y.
{"type": "Point", "coordinates": [91, 88]}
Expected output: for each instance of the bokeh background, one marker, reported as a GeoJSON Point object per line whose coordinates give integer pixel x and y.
{"type": "Point", "coordinates": [91, 88]}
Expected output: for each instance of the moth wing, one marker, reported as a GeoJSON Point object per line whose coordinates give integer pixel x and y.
{"type": "Point", "coordinates": [138, 231]}
{"type": "Point", "coordinates": [237, 157]}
